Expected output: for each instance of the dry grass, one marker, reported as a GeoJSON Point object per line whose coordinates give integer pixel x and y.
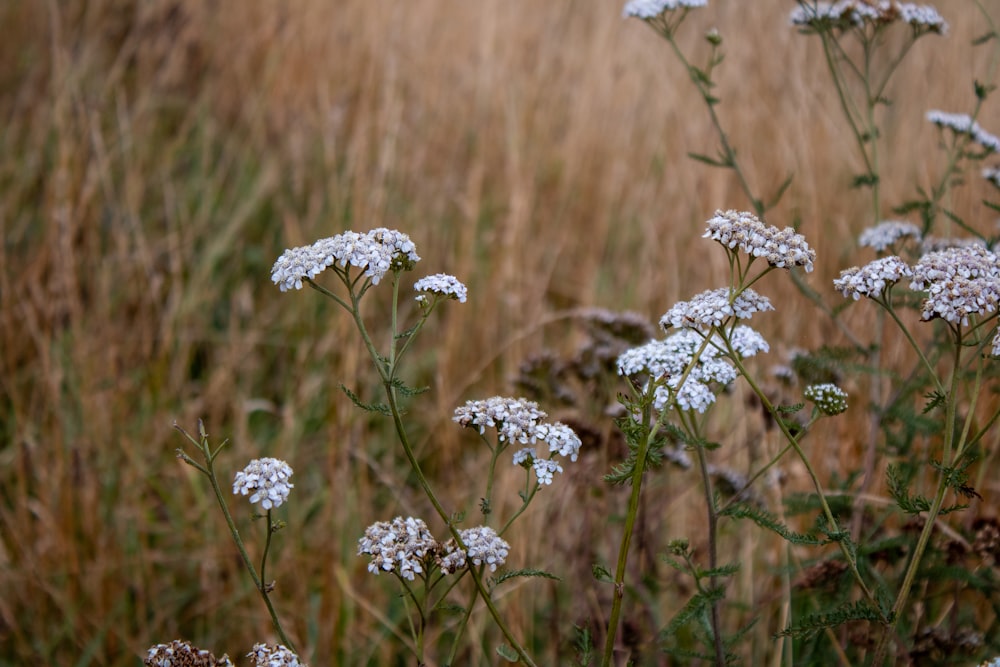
{"type": "Point", "coordinates": [157, 156]}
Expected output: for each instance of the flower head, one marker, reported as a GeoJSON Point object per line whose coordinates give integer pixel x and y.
{"type": "Point", "coordinates": [402, 546]}
{"type": "Point", "coordinates": [514, 418]}
{"type": "Point", "coordinates": [871, 279]}
{"type": "Point", "coordinates": [667, 360]}
{"type": "Point", "coordinates": [781, 248]}
{"type": "Point", "coordinates": [376, 252]}
{"type": "Point", "coordinates": [182, 654]}
{"type": "Point", "coordinates": [959, 282]}
{"type": "Point", "coordinates": [443, 284]}
{"type": "Point", "coordinates": [846, 14]}
{"type": "Point", "coordinates": [263, 655]}
{"type": "Point", "coordinates": [886, 233]}
{"type": "Point", "coordinates": [561, 439]}
{"type": "Point", "coordinates": [649, 9]}
{"type": "Point", "coordinates": [714, 307]}
{"type": "Point", "coordinates": [963, 124]}
{"type": "Point", "coordinates": [266, 480]}
{"type": "Point", "coordinates": [828, 398]}
{"type": "Point", "coordinates": [483, 545]}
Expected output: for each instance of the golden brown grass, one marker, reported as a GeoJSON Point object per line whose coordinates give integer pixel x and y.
{"type": "Point", "coordinates": [157, 157]}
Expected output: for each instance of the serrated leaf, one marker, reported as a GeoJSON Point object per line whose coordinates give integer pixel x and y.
{"type": "Point", "coordinates": [813, 623]}
{"type": "Point", "coordinates": [379, 408]}
{"type": "Point", "coordinates": [526, 572]}
{"type": "Point", "coordinates": [601, 573]}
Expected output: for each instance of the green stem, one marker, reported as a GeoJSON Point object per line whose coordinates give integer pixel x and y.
{"type": "Point", "coordinates": [713, 556]}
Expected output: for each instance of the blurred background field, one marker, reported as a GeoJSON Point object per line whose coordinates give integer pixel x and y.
{"type": "Point", "coordinates": [157, 156]}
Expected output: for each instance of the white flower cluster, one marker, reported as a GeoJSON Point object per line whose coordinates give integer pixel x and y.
{"type": "Point", "coordinates": [871, 279]}
{"type": "Point", "coordinates": [781, 248]}
{"type": "Point", "coordinates": [182, 654]}
{"type": "Point", "coordinates": [886, 233]}
{"type": "Point", "coordinates": [514, 418]}
{"type": "Point", "coordinates": [961, 123]}
{"type": "Point", "coordinates": [712, 308]}
{"type": "Point", "coordinates": [829, 398]}
{"type": "Point", "coordinates": [992, 174]}
{"type": "Point", "coordinates": [648, 9]}
{"type": "Point", "coordinates": [376, 252]}
{"type": "Point", "coordinates": [934, 243]}
{"type": "Point", "coordinates": [263, 655]}
{"type": "Point", "coordinates": [959, 282]}
{"type": "Point", "coordinates": [267, 480]}
{"type": "Point", "coordinates": [483, 545]}
{"type": "Point", "coordinates": [668, 358]}
{"type": "Point", "coordinates": [443, 284]}
{"type": "Point", "coordinates": [519, 420]}
{"type": "Point", "coordinates": [857, 13]}
{"type": "Point", "coordinates": [402, 545]}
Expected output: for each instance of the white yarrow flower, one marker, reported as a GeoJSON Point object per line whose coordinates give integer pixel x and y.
{"type": "Point", "coordinates": [649, 9]}
{"type": "Point", "coordinates": [443, 284]}
{"type": "Point", "coordinates": [263, 655]}
{"type": "Point", "coordinates": [265, 481]}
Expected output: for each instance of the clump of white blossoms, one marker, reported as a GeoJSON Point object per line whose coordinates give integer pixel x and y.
{"type": "Point", "coordinates": [441, 284]}
{"type": "Point", "coordinates": [873, 278]}
{"type": "Point", "coordinates": [266, 481]}
{"type": "Point", "coordinates": [263, 655]}
{"type": "Point", "coordinates": [484, 546]}
{"type": "Point", "coordinates": [520, 420]}
{"type": "Point", "coordinates": [182, 654]}
{"type": "Point", "coordinates": [963, 124]}
{"type": "Point", "coordinates": [886, 233]}
{"type": "Point", "coordinates": [712, 308]}
{"type": "Point", "coordinates": [828, 398]}
{"type": "Point", "coordinates": [742, 230]}
{"type": "Point", "coordinates": [376, 252]}
{"type": "Point", "coordinates": [403, 546]}
{"type": "Point", "coordinates": [959, 282]}
{"type": "Point", "coordinates": [847, 14]}
{"type": "Point", "coordinates": [648, 9]}
{"type": "Point", "coordinates": [668, 358]}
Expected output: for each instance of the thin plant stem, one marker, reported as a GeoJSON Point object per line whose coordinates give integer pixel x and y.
{"type": "Point", "coordinates": [713, 554]}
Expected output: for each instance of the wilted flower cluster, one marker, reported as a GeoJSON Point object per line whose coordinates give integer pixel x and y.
{"type": "Point", "coordinates": [886, 233]}
{"type": "Point", "coordinates": [859, 13]}
{"type": "Point", "coordinates": [403, 546]}
{"type": "Point", "coordinates": [713, 307]}
{"type": "Point", "coordinates": [781, 248]}
{"type": "Point", "coordinates": [668, 358]}
{"type": "Point", "coordinates": [828, 398]}
{"type": "Point", "coordinates": [520, 420]}
{"type": "Point", "coordinates": [266, 480]}
{"type": "Point", "coordinates": [871, 279]}
{"type": "Point", "coordinates": [443, 284]}
{"type": "Point", "coordinates": [648, 9]}
{"type": "Point", "coordinates": [959, 282]}
{"type": "Point", "coordinates": [961, 123]}
{"type": "Point", "coordinates": [182, 654]}
{"type": "Point", "coordinates": [376, 252]}
{"type": "Point", "coordinates": [263, 655]}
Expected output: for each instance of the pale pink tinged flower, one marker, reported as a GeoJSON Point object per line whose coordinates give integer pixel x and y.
{"type": "Point", "coordinates": [847, 14]}
{"type": "Point", "coordinates": [545, 469]}
{"type": "Point", "coordinates": [514, 418]}
{"type": "Point", "coordinates": [561, 439]}
{"type": "Point", "coordinates": [742, 230]}
{"type": "Point", "coordinates": [401, 546]}
{"type": "Point", "coordinates": [959, 282]}
{"type": "Point", "coordinates": [872, 279]}
{"type": "Point", "coordinates": [886, 233]}
{"type": "Point", "coordinates": [484, 546]}
{"type": "Point", "coordinates": [995, 351]}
